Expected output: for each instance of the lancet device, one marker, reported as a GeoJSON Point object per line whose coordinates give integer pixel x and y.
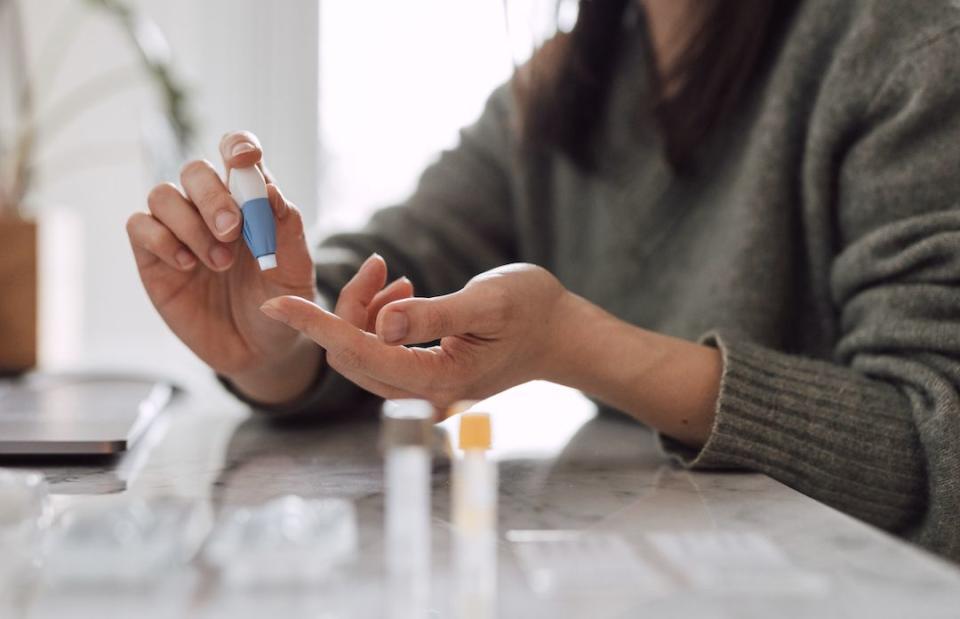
{"type": "Point", "coordinates": [249, 191]}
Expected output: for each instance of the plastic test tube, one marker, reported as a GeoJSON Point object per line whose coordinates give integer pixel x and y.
{"type": "Point", "coordinates": [407, 433]}
{"type": "Point", "coordinates": [475, 520]}
{"type": "Point", "coordinates": [249, 191]}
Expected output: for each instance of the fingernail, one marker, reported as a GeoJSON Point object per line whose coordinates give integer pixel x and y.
{"type": "Point", "coordinates": [225, 221]}
{"type": "Point", "coordinates": [273, 311]}
{"type": "Point", "coordinates": [185, 259]}
{"type": "Point", "coordinates": [370, 258]}
{"type": "Point", "coordinates": [220, 256]}
{"type": "Point", "coordinates": [395, 326]}
{"type": "Point", "coordinates": [242, 147]}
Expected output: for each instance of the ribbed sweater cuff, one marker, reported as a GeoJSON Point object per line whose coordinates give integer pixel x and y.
{"type": "Point", "coordinates": [820, 428]}
{"type": "Point", "coordinates": [715, 452]}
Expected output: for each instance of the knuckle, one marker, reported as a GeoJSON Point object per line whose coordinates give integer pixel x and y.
{"type": "Point", "coordinates": [500, 306]}
{"type": "Point", "coordinates": [219, 201]}
{"type": "Point", "coordinates": [153, 241]}
{"type": "Point", "coordinates": [193, 168]}
{"type": "Point", "coordinates": [134, 222]}
{"type": "Point", "coordinates": [212, 197]}
{"type": "Point", "coordinates": [346, 359]}
{"type": "Point", "coordinates": [294, 214]}
{"type": "Point", "coordinates": [437, 321]}
{"type": "Point", "coordinates": [160, 195]}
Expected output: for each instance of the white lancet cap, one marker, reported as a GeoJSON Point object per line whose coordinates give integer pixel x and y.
{"type": "Point", "coordinates": [247, 184]}
{"type": "Point", "coordinates": [267, 262]}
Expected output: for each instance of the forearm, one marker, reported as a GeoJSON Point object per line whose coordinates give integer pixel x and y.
{"type": "Point", "coordinates": [667, 383]}
{"type": "Point", "coordinates": [285, 380]}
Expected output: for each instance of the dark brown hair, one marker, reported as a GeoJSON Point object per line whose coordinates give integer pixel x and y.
{"type": "Point", "coordinates": [563, 90]}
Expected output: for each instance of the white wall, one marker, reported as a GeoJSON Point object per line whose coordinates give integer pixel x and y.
{"type": "Point", "coordinates": [248, 64]}
{"type": "Point", "coordinates": [398, 80]}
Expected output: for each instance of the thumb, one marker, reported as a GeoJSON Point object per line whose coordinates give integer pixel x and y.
{"type": "Point", "coordinates": [414, 321]}
{"type": "Point", "coordinates": [242, 149]}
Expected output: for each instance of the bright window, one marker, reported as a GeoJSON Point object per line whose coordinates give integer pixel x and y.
{"type": "Point", "coordinates": [397, 81]}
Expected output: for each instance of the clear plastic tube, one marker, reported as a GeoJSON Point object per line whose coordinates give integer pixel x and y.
{"type": "Point", "coordinates": [407, 436]}
{"type": "Point", "coordinates": [408, 530]}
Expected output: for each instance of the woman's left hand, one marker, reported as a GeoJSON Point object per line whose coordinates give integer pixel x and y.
{"type": "Point", "coordinates": [505, 327]}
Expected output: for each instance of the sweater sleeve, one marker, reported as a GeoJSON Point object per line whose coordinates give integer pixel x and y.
{"type": "Point", "coordinates": [458, 222]}
{"type": "Point", "coordinates": [874, 431]}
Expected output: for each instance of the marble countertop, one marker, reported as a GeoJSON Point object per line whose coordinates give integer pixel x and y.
{"type": "Point", "coordinates": [697, 544]}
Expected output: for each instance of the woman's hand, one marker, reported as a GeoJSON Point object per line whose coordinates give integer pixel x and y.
{"type": "Point", "coordinates": [510, 325]}
{"type": "Point", "coordinates": [504, 328]}
{"type": "Point", "coordinates": [207, 286]}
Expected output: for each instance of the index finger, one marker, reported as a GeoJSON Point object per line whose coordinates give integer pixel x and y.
{"type": "Point", "coordinates": [410, 369]}
{"type": "Point", "coordinates": [241, 149]}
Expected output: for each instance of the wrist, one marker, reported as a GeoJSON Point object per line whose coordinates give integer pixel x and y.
{"type": "Point", "coordinates": [284, 379]}
{"type": "Point", "coordinates": [571, 349]}
{"type": "Point", "coordinates": [668, 383]}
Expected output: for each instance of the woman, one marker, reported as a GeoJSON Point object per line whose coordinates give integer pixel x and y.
{"type": "Point", "coordinates": [744, 216]}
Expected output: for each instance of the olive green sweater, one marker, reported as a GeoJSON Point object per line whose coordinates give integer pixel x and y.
{"type": "Point", "coordinates": [817, 246]}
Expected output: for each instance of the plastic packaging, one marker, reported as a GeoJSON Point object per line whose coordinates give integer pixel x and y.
{"type": "Point", "coordinates": [249, 191]}
{"type": "Point", "coordinates": [286, 541]}
{"type": "Point", "coordinates": [24, 517]}
{"type": "Point", "coordinates": [134, 542]}
{"type": "Point", "coordinates": [24, 506]}
{"type": "Point", "coordinates": [407, 434]}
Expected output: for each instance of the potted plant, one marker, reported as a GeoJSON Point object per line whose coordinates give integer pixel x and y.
{"type": "Point", "coordinates": [18, 234]}
{"type": "Point", "coordinates": [19, 240]}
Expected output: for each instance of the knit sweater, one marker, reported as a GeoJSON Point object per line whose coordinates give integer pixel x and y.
{"type": "Point", "coordinates": [816, 244]}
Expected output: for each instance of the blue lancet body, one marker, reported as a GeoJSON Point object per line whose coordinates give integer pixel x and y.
{"type": "Point", "coordinates": [259, 229]}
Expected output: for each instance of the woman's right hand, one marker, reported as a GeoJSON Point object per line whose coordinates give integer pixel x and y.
{"type": "Point", "coordinates": [208, 288]}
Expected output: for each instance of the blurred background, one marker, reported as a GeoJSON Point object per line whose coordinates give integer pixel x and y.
{"type": "Point", "coordinates": [350, 99]}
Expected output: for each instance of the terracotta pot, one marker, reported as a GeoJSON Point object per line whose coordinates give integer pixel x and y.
{"type": "Point", "coordinates": [18, 295]}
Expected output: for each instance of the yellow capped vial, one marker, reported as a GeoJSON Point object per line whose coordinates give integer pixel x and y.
{"type": "Point", "coordinates": [475, 431]}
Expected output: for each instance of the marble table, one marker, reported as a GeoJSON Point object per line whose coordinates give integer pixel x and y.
{"type": "Point", "coordinates": [667, 543]}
